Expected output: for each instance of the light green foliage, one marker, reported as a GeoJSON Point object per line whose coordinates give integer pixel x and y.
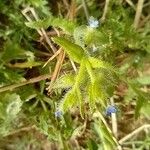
{"type": "Point", "coordinates": [9, 76]}
{"type": "Point", "coordinates": [15, 52]}
{"type": "Point", "coordinates": [75, 52]}
{"type": "Point", "coordinates": [69, 100]}
{"type": "Point", "coordinates": [104, 134]}
{"type": "Point", "coordinates": [87, 65]}
{"type": "Point", "coordinates": [65, 25]}
{"type": "Point", "coordinates": [65, 81]}
{"type": "Point", "coordinates": [79, 34]}
{"type": "Point", "coordinates": [10, 107]}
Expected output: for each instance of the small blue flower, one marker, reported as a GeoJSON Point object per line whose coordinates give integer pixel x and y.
{"type": "Point", "coordinates": [58, 113]}
{"type": "Point", "coordinates": [110, 109]}
{"type": "Point", "coordinates": [93, 23]}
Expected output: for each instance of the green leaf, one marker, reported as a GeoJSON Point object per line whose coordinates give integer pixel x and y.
{"type": "Point", "coordinates": [27, 92]}
{"type": "Point", "coordinates": [142, 98]}
{"type": "Point", "coordinates": [8, 76]}
{"type": "Point", "coordinates": [145, 110]}
{"type": "Point", "coordinates": [96, 94]}
{"type": "Point", "coordinates": [39, 3]}
{"type": "Point", "coordinates": [11, 105]}
{"type": "Point", "coordinates": [65, 81]}
{"type": "Point", "coordinates": [79, 35]}
{"type": "Point", "coordinates": [10, 108]}
{"type": "Point", "coordinates": [92, 145]}
{"type": "Point", "coordinates": [27, 64]}
{"type": "Point", "coordinates": [12, 51]}
{"type": "Point", "coordinates": [69, 100]}
{"type": "Point", "coordinates": [14, 105]}
{"type": "Point", "coordinates": [91, 98]}
{"type": "Point", "coordinates": [74, 51]}
{"type": "Point", "coordinates": [82, 74]}
{"type": "Point", "coordinates": [144, 80]}
{"type": "Point", "coordinates": [65, 25]}
{"type": "Point", "coordinates": [80, 101]}
{"type": "Point", "coordinates": [97, 63]}
{"type": "Point", "coordinates": [105, 136]}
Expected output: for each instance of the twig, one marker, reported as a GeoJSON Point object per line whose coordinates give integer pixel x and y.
{"type": "Point", "coordinates": [145, 5]}
{"type": "Point", "coordinates": [138, 13]}
{"type": "Point", "coordinates": [58, 65]}
{"type": "Point", "coordinates": [24, 129]}
{"type": "Point", "coordinates": [78, 8]}
{"type": "Point", "coordinates": [127, 137]}
{"type": "Point", "coordinates": [30, 81]}
{"type": "Point", "coordinates": [24, 12]}
{"type": "Point", "coordinates": [133, 6]}
{"type": "Point", "coordinates": [43, 53]}
{"type": "Point", "coordinates": [57, 31]}
{"type": "Point", "coordinates": [71, 15]}
{"type": "Point", "coordinates": [147, 135]}
{"type": "Point", "coordinates": [42, 32]}
{"type": "Point", "coordinates": [114, 120]}
{"type": "Point", "coordinates": [84, 4]}
{"type": "Point", "coordinates": [66, 4]}
{"type": "Point", "coordinates": [56, 70]}
{"type": "Point", "coordinates": [51, 58]}
{"type": "Point", "coordinates": [60, 59]}
{"type": "Point", "coordinates": [147, 18]}
{"type": "Point", "coordinates": [73, 65]}
{"type": "Point", "coordinates": [54, 33]}
{"type": "Point", "coordinates": [48, 41]}
{"type": "Point", "coordinates": [105, 10]}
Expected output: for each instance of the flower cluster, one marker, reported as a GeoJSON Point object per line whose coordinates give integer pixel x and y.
{"type": "Point", "coordinates": [110, 109]}
{"type": "Point", "coordinates": [58, 114]}
{"type": "Point", "coordinates": [93, 23]}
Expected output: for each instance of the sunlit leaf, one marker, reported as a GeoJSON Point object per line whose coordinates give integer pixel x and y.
{"type": "Point", "coordinates": [74, 51]}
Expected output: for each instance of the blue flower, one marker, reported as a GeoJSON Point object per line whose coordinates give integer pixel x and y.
{"type": "Point", "coordinates": [110, 109]}
{"type": "Point", "coordinates": [93, 23]}
{"type": "Point", "coordinates": [58, 113]}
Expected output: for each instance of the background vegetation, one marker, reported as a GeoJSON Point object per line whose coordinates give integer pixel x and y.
{"type": "Point", "coordinates": [74, 74]}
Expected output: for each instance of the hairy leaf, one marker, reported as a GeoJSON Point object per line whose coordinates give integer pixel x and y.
{"type": "Point", "coordinates": [65, 81]}
{"type": "Point", "coordinates": [69, 100]}
{"type": "Point", "coordinates": [74, 51]}
{"type": "Point", "coordinates": [65, 25]}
